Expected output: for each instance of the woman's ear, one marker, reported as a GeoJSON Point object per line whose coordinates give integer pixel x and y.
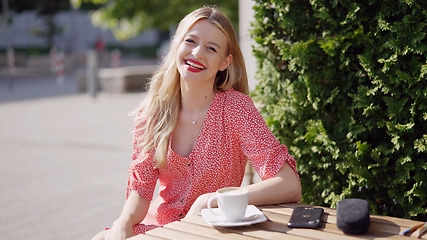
{"type": "Point", "coordinates": [227, 62]}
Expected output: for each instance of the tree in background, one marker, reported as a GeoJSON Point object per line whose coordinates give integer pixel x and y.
{"type": "Point", "coordinates": [344, 85]}
{"type": "Point", "coordinates": [128, 18]}
{"type": "Point", "coordinates": [46, 9]}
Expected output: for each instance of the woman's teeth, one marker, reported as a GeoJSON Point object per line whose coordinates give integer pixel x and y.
{"type": "Point", "coordinates": [194, 65]}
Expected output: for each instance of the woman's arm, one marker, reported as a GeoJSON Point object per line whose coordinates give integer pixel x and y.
{"type": "Point", "coordinates": [133, 212]}
{"type": "Point", "coordinates": [282, 188]}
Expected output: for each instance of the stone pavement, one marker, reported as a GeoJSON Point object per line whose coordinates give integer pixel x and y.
{"type": "Point", "coordinates": [63, 159]}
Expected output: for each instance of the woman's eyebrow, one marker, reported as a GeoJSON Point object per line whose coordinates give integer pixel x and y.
{"type": "Point", "coordinates": [211, 43]}
{"type": "Point", "coordinates": [215, 44]}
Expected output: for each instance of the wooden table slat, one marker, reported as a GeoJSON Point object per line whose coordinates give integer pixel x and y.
{"type": "Point", "coordinates": [146, 237]}
{"type": "Point", "coordinates": [218, 234]}
{"type": "Point", "coordinates": [247, 232]}
{"type": "Point", "coordinates": [272, 231]}
{"type": "Point", "coordinates": [279, 224]}
{"type": "Point", "coordinates": [167, 233]}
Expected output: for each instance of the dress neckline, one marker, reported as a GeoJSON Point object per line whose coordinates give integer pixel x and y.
{"type": "Point", "coordinates": [201, 132]}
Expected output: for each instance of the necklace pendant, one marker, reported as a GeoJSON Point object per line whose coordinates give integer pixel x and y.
{"type": "Point", "coordinates": [193, 122]}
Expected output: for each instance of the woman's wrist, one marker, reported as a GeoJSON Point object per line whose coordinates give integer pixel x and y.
{"type": "Point", "coordinates": [124, 219]}
{"type": "Point", "coordinates": [123, 226]}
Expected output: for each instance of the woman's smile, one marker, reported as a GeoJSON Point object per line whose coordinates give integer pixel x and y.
{"type": "Point", "coordinates": [194, 66]}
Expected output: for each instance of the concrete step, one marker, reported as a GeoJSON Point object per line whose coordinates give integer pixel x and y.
{"type": "Point", "coordinates": [26, 72]}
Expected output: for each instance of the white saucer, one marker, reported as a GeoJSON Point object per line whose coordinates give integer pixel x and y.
{"type": "Point", "coordinates": [219, 220]}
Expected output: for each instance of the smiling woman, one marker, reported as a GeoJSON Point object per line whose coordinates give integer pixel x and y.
{"type": "Point", "coordinates": [195, 131]}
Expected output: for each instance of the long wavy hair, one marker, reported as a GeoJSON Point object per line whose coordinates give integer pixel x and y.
{"type": "Point", "coordinates": [157, 114]}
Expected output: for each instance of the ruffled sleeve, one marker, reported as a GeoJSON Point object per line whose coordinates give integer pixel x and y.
{"type": "Point", "coordinates": [143, 174]}
{"type": "Point", "coordinates": [265, 153]}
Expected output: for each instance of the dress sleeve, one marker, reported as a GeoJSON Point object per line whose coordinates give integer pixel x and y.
{"type": "Point", "coordinates": [143, 174]}
{"type": "Point", "coordinates": [265, 153]}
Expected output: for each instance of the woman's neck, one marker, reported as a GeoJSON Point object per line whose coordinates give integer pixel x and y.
{"type": "Point", "coordinates": [195, 100]}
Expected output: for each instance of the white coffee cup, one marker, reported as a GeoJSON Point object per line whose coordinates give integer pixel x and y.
{"type": "Point", "coordinates": [232, 202]}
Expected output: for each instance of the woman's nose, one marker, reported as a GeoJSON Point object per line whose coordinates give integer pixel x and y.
{"type": "Point", "coordinates": [197, 52]}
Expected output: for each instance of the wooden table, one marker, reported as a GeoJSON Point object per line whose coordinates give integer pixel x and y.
{"type": "Point", "coordinates": [194, 227]}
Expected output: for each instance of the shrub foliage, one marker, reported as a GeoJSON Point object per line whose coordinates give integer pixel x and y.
{"type": "Point", "coordinates": [344, 84]}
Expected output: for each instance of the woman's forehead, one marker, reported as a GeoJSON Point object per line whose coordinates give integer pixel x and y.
{"type": "Point", "coordinates": [207, 30]}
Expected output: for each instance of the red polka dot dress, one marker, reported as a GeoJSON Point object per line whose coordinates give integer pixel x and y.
{"type": "Point", "coordinates": [232, 133]}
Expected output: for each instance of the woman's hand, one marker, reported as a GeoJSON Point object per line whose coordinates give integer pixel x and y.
{"type": "Point", "coordinates": [133, 212]}
{"type": "Point", "coordinates": [120, 231]}
{"type": "Point", "coordinates": [200, 203]}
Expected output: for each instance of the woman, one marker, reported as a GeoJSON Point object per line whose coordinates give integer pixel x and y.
{"type": "Point", "coordinates": [195, 130]}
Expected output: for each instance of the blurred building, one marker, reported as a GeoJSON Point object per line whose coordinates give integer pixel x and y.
{"type": "Point", "coordinates": [77, 35]}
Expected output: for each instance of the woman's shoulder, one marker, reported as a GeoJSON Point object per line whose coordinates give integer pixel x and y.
{"type": "Point", "coordinates": [236, 104]}
{"type": "Point", "coordinates": [235, 98]}
{"type": "Point", "coordinates": [233, 92]}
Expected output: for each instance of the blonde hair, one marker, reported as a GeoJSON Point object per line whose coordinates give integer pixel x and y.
{"type": "Point", "coordinates": [157, 115]}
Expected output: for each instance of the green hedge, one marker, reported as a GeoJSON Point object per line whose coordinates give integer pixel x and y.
{"type": "Point", "coordinates": [344, 85]}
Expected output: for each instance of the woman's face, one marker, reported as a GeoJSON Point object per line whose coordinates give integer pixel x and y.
{"type": "Point", "coordinates": [202, 53]}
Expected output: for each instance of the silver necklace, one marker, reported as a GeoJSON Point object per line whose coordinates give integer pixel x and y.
{"type": "Point", "coordinates": [200, 114]}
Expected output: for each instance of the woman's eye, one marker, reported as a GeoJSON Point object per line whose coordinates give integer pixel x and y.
{"type": "Point", "coordinates": [212, 49]}
{"type": "Point", "coordinates": [189, 40]}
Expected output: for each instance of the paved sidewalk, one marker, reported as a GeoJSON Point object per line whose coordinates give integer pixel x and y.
{"type": "Point", "coordinates": [63, 159]}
